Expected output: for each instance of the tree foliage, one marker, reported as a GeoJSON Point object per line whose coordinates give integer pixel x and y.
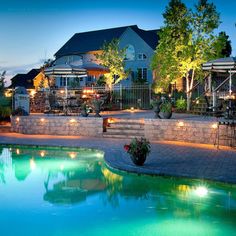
{"type": "Point", "coordinates": [2, 82]}
{"type": "Point", "coordinates": [112, 57]}
{"type": "Point", "coordinates": [186, 41]}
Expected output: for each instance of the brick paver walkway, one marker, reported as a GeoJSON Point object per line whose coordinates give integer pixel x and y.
{"type": "Point", "coordinates": [166, 158]}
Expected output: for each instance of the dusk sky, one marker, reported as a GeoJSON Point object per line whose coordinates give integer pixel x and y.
{"type": "Point", "coordinates": [32, 31]}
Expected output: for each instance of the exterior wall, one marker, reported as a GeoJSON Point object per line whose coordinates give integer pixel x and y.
{"type": "Point", "coordinates": [155, 130]}
{"type": "Point", "coordinates": [58, 125]}
{"type": "Point", "coordinates": [204, 132]}
{"type": "Point", "coordinates": [140, 46]}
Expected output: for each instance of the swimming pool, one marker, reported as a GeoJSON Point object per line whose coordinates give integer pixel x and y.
{"type": "Point", "coordinates": [69, 191]}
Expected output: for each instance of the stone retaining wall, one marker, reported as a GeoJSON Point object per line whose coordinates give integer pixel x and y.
{"type": "Point", "coordinates": [58, 125]}
{"type": "Point", "coordinates": [204, 132]}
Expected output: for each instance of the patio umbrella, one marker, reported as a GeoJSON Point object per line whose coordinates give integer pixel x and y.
{"type": "Point", "coordinates": [66, 71]}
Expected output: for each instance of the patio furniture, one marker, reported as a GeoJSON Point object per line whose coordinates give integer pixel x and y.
{"type": "Point", "coordinates": [55, 104]}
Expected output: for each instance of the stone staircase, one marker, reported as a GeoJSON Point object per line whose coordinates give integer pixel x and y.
{"type": "Point", "coordinates": [124, 128]}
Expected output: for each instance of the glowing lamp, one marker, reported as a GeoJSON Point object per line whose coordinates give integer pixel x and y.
{"type": "Point", "coordinates": [72, 155]}
{"type": "Point", "coordinates": [201, 191]}
{"type": "Point", "coordinates": [72, 120]}
{"type": "Point", "coordinates": [42, 154]}
{"type": "Point", "coordinates": [180, 124]}
{"type": "Point", "coordinates": [214, 126]}
{"type": "Point", "coordinates": [17, 119]}
{"type": "Point", "coordinates": [62, 91]}
{"type": "Point", "coordinates": [42, 119]}
{"type": "Point", "coordinates": [17, 151]}
{"type": "Point", "coordinates": [32, 93]}
{"type": "Point", "coordinates": [197, 102]}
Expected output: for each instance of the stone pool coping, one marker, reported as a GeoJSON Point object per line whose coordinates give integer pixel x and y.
{"type": "Point", "coordinates": [172, 159]}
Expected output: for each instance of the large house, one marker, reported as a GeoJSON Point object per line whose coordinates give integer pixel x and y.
{"type": "Point", "coordinates": [81, 49]}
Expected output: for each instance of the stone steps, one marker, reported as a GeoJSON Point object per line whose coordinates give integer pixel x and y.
{"type": "Point", "coordinates": [125, 128]}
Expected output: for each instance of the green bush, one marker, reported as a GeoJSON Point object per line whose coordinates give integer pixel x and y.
{"type": "Point", "coordinates": [181, 104]}
{"type": "Point", "coordinates": [5, 107]}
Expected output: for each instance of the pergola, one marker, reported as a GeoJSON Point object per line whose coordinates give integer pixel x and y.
{"type": "Point", "coordinates": [224, 65]}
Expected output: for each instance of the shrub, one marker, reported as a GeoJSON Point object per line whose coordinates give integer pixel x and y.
{"type": "Point", "coordinates": [181, 104]}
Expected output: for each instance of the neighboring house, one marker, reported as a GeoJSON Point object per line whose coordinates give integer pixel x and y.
{"type": "Point", "coordinates": [24, 80]}
{"type": "Point", "coordinates": [82, 48]}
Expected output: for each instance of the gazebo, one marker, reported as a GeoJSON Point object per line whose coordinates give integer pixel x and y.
{"type": "Point", "coordinates": [222, 65]}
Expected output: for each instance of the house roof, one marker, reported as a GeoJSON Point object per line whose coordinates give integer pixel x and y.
{"type": "Point", "coordinates": [94, 40]}
{"type": "Point", "coordinates": [24, 80]}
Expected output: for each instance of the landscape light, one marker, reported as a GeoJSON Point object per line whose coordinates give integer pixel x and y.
{"type": "Point", "coordinates": [201, 191]}
{"type": "Point", "coordinates": [72, 155]}
{"type": "Point", "coordinates": [42, 154]}
{"type": "Point", "coordinates": [72, 120]}
{"type": "Point", "coordinates": [180, 124]}
{"type": "Point", "coordinates": [214, 126]}
{"type": "Point", "coordinates": [17, 151]}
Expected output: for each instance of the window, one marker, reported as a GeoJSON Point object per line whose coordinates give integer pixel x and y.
{"type": "Point", "coordinates": [62, 82]}
{"type": "Point", "coordinates": [142, 56]}
{"type": "Point", "coordinates": [130, 53]}
{"type": "Point", "coordinates": [142, 73]}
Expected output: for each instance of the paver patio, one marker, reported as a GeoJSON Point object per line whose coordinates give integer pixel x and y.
{"type": "Point", "coordinates": [166, 158]}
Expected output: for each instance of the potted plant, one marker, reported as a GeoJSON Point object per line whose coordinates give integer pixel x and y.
{"type": "Point", "coordinates": [166, 110]}
{"type": "Point", "coordinates": [84, 110]}
{"type": "Point", "coordinates": [138, 150]}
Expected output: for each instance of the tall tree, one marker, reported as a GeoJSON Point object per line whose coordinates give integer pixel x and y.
{"type": "Point", "coordinates": [194, 41]}
{"type": "Point", "coordinates": [223, 45]}
{"type": "Point", "coordinates": [112, 57]}
{"type": "Point", "coordinates": [172, 37]}
{"type": "Point", "coordinates": [2, 82]}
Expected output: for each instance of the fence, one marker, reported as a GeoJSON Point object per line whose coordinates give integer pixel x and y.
{"type": "Point", "coordinates": [118, 97]}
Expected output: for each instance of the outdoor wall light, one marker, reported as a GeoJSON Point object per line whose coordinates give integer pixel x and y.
{"type": "Point", "coordinates": [72, 120]}
{"type": "Point", "coordinates": [180, 124]}
{"type": "Point", "coordinates": [110, 121]}
{"type": "Point", "coordinates": [72, 155]}
{"type": "Point", "coordinates": [214, 126]}
{"type": "Point", "coordinates": [42, 154]}
{"type": "Point", "coordinates": [17, 119]}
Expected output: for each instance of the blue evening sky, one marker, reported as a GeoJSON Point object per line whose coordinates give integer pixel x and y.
{"type": "Point", "coordinates": [32, 31]}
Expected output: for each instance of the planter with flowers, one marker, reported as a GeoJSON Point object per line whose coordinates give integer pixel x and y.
{"type": "Point", "coordinates": [138, 150]}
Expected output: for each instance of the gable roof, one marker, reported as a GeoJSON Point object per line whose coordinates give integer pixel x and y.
{"type": "Point", "coordinates": [94, 40]}
{"type": "Point", "coordinates": [24, 80]}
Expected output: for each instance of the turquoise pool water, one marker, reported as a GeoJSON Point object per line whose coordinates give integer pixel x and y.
{"type": "Point", "coordinates": [66, 191]}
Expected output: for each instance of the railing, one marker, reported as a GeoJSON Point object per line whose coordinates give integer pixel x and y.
{"type": "Point", "coordinates": [117, 97]}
